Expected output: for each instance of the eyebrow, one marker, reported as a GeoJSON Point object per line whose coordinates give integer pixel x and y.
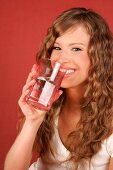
{"type": "Point", "coordinates": [72, 44]}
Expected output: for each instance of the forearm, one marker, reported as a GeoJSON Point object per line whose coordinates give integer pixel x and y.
{"type": "Point", "coordinates": [19, 156]}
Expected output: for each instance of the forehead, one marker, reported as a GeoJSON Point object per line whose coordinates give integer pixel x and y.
{"type": "Point", "coordinates": [77, 34]}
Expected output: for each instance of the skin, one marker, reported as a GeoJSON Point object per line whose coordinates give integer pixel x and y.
{"type": "Point", "coordinates": [70, 50]}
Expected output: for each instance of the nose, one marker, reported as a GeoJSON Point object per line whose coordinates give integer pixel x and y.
{"type": "Point", "coordinates": [63, 58]}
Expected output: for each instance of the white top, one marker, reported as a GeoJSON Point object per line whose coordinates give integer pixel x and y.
{"type": "Point", "coordinates": [99, 162]}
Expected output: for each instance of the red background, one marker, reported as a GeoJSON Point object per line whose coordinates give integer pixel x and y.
{"type": "Point", "coordinates": [23, 24]}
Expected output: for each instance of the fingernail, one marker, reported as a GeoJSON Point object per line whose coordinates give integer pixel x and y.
{"type": "Point", "coordinates": [60, 92]}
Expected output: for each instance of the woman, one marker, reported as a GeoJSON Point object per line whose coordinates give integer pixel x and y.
{"type": "Point", "coordinates": [77, 132]}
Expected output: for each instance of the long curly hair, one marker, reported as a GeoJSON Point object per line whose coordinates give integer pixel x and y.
{"type": "Point", "coordinates": [96, 122]}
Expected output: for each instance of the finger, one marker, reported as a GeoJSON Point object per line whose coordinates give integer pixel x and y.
{"type": "Point", "coordinates": [28, 85]}
{"type": "Point", "coordinates": [33, 73]}
{"type": "Point", "coordinates": [31, 76]}
{"type": "Point", "coordinates": [35, 67]}
{"type": "Point", "coordinates": [22, 99]}
{"type": "Point", "coordinates": [56, 96]}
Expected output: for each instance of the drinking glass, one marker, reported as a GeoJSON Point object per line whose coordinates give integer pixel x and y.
{"type": "Point", "coordinates": [48, 81]}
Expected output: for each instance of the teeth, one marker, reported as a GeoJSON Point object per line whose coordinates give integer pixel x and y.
{"type": "Point", "coordinates": [67, 71]}
{"type": "Point", "coordinates": [63, 70]}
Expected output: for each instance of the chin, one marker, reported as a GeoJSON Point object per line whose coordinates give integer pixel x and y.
{"type": "Point", "coordinates": [65, 86]}
{"type": "Point", "coordinates": [71, 85]}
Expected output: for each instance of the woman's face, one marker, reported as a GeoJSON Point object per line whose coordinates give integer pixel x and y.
{"type": "Point", "coordinates": [71, 50]}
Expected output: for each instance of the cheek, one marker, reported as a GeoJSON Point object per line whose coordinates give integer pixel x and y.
{"type": "Point", "coordinates": [85, 68]}
{"type": "Point", "coordinates": [87, 64]}
{"type": "Point", "coordinates": [84, 64]}
{"type": "Point", "coordinates": [84, 61]}
{"type": "Point", "coordinates": [54, 58]}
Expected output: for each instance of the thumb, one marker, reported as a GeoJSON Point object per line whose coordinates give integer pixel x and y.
{"type": "Point", "coordinates": [55, 97]}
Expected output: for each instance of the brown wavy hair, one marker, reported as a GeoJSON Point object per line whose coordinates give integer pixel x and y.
{"type": "Point", "coordinates": [96, 122]}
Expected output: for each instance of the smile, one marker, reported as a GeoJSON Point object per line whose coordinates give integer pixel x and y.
{"type": "Point", "coordinates": [67, 71]}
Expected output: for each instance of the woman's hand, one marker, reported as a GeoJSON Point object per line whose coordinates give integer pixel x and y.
{"type": "Point", "coordinates": [31, 113]}
{"type": "Point", "coordinates": [28, 110]}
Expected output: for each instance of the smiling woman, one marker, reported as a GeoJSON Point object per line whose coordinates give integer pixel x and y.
{"type": "Point", "coordinates": [71, 50]}
{"type": "Point", "coordinates": [77, 132]}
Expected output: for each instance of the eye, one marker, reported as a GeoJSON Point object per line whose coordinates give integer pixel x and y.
{"type": "Point", "coordinates": [76, 49]}
{"type": "Point", "coordinates": [56, 48]}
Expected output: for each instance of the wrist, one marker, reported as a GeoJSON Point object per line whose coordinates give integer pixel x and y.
{"type": "Point", "coordinates": [32, 124]}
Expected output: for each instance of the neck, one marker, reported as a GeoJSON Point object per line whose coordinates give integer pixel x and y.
{"type": "Point", "coordinates": [74, 96]}
{"type": "Point", "coordinates": [70, 115]}
{"type": "Point", "coordinates": [72, 106]}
